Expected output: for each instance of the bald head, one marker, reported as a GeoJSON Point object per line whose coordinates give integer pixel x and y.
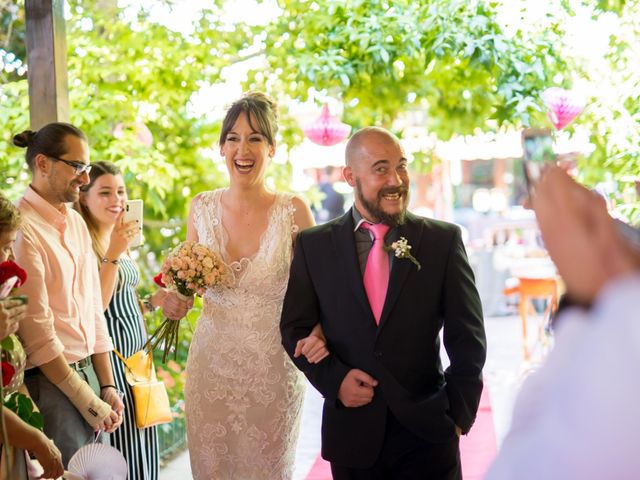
{"type": "Point", "coordinates": [377, 170]}
{"type": "Point", "coordinates": [363, 137]}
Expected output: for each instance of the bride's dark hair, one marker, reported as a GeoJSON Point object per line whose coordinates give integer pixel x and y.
{"type": "Point", "coordinates": [258, 106]}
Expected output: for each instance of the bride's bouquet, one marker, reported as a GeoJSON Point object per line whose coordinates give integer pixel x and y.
{"type": "Point", "coordinates": [190, 268]}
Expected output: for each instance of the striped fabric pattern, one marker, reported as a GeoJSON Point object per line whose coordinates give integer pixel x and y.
{"type": "Point", "coordinates": [125, 324]}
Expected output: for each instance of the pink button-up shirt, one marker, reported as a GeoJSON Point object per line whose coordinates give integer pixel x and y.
{"type": "Point", "coordinates": [64, 312]}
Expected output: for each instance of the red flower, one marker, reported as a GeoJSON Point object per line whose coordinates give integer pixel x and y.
{"type": "Point", "coordinates": [158, 280]}
{"type": "Point", "coordinates": [8, 371]}
{"type": "Point", "coordinates": [10, 269]}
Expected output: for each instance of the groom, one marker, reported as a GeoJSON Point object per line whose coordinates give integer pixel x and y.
{"type": "Point", "coordinates": [389, 411]}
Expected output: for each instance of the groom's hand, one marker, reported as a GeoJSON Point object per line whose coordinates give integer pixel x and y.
{"type": "Point", "coordinates": [356, 389]}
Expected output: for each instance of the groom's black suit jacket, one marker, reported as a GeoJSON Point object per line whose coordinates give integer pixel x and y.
{"type": "Point", "coordinates": [403, 353]}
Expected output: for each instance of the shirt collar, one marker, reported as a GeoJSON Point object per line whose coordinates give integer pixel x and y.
{"type": "Point", "coordinates": [45, 209]}
{"type": "Point", "coordinates": [358, 219]}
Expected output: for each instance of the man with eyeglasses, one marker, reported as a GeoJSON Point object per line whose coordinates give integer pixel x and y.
{"type": "Point", "coordinates": [64, 331]}
{"type": "Point", "coordinates": [78, 167]}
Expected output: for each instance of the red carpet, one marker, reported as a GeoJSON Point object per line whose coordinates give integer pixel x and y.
{"type": "Point", "coordinates": [321, 470]}
{"type": "Point", "coordinates": [477, 449]}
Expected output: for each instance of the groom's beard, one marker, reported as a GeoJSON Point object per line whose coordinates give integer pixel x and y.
{"type": "Point", "coordinates": [375, 210]}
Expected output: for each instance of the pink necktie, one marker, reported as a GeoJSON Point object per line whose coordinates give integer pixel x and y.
{"type": "Point", "coordinates": [376, 272]}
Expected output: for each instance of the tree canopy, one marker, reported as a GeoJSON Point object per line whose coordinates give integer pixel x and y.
{"type": "Point", "coordinates": [451, 58]}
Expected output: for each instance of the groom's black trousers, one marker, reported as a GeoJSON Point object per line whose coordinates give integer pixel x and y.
{"type": "Point", "coordinates": [405, 456]}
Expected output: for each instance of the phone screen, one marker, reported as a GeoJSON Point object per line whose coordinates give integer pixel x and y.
{"type": "Point", "coordinates": [537, 146]}
{"type": "Point", "coordinates": [133, 212]}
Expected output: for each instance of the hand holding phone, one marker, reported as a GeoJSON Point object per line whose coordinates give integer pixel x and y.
{"type": "Point", "coordinates": [133, 213]}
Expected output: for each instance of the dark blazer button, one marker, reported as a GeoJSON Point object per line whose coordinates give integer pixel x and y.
{"type": "Point", "coordinates": [377, 354]}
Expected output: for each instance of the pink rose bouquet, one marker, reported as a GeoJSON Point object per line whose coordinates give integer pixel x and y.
{"type": "Point", "coordinates": [190, 268]}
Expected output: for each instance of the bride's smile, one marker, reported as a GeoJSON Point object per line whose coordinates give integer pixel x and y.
{"type": "Point", "coordinates": [246, 151]}
{"type": "Point", "coordinates": [243, 397]}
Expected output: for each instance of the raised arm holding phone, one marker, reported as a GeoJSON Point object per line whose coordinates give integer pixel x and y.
{"type": "Point", "coordinates": [572, 418]}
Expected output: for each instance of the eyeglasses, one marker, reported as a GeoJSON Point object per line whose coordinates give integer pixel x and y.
{"type": "Point", "coordinates": [78, 167]}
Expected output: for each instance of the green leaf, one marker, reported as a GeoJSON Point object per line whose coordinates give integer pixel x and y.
{"type": "Point", "coordinates": [384, 55]}
{"type": "Point", "coordinates": [7, 343]}
{"type": "Point", "coordinates": [23, 406]}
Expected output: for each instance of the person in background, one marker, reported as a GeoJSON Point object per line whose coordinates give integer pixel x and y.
{"type": "Point", "coordinates": [384, 283]}
{"type": "Point", "coordinates": [21, 436]}
{"type": "Point", "coordinates": [101, 204]}
{"type": "Point", "coordinates": [333, 201]}
{"type": "Point", "coordinates": [12, 311]}
{"type": "Point", "coordinates": [243, 396]}
{"type": "Point", "coordinates": [575, 416]}
{"type": "Point", "coordinates": [64, 331]}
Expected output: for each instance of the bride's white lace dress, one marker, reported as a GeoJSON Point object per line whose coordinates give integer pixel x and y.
{"type": "Point", "coordinates": [243, 395]}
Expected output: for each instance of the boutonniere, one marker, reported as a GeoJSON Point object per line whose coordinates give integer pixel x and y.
{"type": "Point", "coordinates": [401, 249]}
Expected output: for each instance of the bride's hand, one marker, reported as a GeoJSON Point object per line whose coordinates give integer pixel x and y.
{"type": "Point", "coordinates": [313, 347]}
{"type": "Point", "coordinates": [172, 305]}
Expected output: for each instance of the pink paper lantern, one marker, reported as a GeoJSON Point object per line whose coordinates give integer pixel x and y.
{"type": "Point", "coordinates": [564, 106]}
{"type": "Point", "coordinates": [327, 130]}
{"type": "Point", "coordinates": [143, 134]}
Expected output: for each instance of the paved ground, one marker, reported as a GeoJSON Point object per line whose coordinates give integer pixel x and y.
{"type": "Point", "coordinates": [504, 372]}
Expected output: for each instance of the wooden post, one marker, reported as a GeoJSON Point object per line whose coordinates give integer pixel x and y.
{"type": "Point", "coordinates": [46, 62]}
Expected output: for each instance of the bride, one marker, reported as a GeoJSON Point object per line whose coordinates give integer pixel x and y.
{"type": "Point", "coordinates": [243, 395]}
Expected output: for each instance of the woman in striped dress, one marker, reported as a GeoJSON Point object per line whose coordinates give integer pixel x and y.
{"type": "Point", "coordinates": [102, 206]}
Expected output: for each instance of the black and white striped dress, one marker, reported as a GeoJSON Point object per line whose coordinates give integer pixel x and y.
{"type": "Point", "coordinates": [125, 323]}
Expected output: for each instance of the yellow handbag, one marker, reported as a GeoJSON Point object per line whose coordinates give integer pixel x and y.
{"type": "Point", "coordinates": [151, 402]}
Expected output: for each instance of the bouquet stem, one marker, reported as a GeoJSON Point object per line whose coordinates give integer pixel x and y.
{"type": "Point", "coordinates": [167, 333]}
{"type": "Point", "coordinates": [188, 269]}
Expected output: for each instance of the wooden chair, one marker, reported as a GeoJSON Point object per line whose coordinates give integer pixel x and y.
{"type": "Point", "coordinates": [528, 289]}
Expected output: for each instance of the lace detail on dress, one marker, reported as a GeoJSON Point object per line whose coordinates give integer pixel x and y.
{"type": "Point", "coordinates": [243, 394]}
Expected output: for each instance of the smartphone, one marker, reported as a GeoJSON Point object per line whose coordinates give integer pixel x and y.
{"type": "Point", "coordinates": [7, 286]}
{"type": "Point", "coordinates": [537, 147]}
{"type": "Point", "coordinates": [133, 212]}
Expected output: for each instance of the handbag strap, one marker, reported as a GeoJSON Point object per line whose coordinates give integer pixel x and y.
{"type": "Point", "coordinates": [126, 365]}
{"type": "Point", "coordinates": [119, 355]}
